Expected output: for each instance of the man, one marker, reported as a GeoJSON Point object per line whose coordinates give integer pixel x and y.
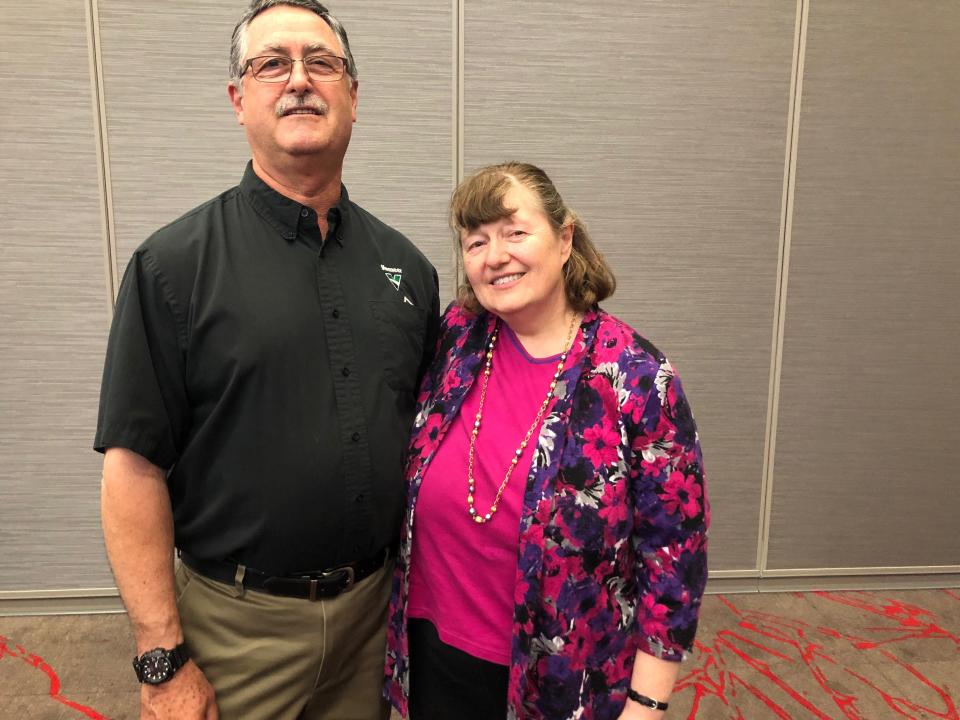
{"type": "Point", "coordinates": [257, 394]}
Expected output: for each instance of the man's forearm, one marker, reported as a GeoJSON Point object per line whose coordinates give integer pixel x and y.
{"type": "Point", "coordinates": [138, 533]}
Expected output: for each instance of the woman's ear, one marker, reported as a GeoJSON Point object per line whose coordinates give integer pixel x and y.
{"type": "Point", "coordinates": [566, 239]}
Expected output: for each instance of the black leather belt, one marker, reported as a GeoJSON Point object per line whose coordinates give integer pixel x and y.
{"type": "Point", "coordinates": [314, 585]}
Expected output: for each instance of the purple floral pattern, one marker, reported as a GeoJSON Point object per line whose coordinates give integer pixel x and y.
{"type": "Point", "coordinates": [613, 531]}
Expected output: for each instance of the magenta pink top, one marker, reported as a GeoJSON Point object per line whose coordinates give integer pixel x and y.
{"type": "Point", "coordinates": [462, 574]}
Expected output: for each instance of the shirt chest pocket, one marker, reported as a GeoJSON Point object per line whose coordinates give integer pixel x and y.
{"type": "Point", "coordinates": [401, 329]}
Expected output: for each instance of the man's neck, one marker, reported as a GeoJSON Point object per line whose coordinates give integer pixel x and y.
{"type": "Point", "coordinates": [314, 185]}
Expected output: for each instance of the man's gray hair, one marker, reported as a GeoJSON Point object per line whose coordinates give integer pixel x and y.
{"type": "Point", "coordinates": [238, 42]}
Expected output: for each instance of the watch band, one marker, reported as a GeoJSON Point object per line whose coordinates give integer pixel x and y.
{"type": "Point", "coordinates": [646, 701]}
{"type": "Point", "coordinates": [179, 656]}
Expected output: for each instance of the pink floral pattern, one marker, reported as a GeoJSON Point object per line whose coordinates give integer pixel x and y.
{"type": "Point", "coordinates": [682, 494]}
{"type": "Point", "coordinates": [602, 445]}
{"type": "Point", "coordinates": [612, 549]}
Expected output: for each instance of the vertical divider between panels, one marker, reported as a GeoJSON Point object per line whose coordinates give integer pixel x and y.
{"type": "Point", "coordinates": [780, 300]}
{"type": "Point", "coordinates": [107, 226]}
{"type": "Point", "coordinates": [458, 10]}
{"type": "Point", "coordinates": [457, 124]}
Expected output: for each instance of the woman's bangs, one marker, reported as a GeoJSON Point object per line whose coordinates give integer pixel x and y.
{"type": "Point", "coordinates": [479, 201]}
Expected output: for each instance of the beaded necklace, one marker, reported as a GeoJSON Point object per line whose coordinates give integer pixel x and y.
{"type": "Point", "coordinates": [471, 483]}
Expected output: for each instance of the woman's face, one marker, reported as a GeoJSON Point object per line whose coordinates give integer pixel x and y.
{"type": "Point", "coordinates": [515, 264]}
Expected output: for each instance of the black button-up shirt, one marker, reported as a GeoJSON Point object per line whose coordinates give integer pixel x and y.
{"type": "Point", "coordinates": [273, 372]}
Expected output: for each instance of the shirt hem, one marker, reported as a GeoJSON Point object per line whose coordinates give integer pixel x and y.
{"type": "Point", "coordinates": [459, 642]}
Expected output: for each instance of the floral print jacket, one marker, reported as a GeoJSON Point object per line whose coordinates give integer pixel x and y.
{"type": "Point", "coordinates": [613, 531]}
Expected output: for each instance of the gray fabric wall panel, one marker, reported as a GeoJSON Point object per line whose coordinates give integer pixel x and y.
{"type": "Point", "coordinates": [174, 141]}
{"type": "Point", "coordinates": [664, 124]}
{"type": "Point", "coordinates": [53, 303]}
{"type": "Point", "coordinates": [400, 162]}
{"type": "Point", "coordinates": [866, 452]}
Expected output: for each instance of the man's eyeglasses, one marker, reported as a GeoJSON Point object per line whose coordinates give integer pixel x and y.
{"type": "Point", "coordinates": [277, 68]}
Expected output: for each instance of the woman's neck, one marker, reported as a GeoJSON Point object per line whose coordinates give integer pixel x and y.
{"type": "Point", "coordinates": [544, 336]}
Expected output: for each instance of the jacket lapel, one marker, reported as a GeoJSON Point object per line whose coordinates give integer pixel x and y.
{"type": "Point", "coordinates": [553, 433]}
{"type": "Point", "coordinates": [465, 357]}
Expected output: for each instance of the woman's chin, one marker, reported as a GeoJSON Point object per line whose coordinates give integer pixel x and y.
{"type": "Point", "coordinates": [504, 310]}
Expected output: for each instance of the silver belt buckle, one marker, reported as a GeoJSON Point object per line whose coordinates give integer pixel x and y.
{"type": "Point", "coordinates": [330, 573]}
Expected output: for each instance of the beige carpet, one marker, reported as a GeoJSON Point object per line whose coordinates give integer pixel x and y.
{"type": "Point", "coordinates": [855, 655]}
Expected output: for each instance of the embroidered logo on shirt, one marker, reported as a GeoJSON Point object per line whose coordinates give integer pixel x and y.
{"type": "Point", "coordinates": [394, 275]}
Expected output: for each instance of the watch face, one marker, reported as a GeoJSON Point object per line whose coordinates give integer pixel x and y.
{"type": "Point", "coordinates": [155, 667]}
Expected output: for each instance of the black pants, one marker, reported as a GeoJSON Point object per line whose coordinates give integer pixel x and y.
{"type": "Point", "coordinates": [449, 684]}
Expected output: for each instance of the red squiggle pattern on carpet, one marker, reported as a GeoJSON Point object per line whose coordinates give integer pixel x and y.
{"type": "Point", "coordinates": [751, 659]}
{"type": "Point", "coordinates": [793, 669]}
{"type": "Point", "coordinates": [17, 652]}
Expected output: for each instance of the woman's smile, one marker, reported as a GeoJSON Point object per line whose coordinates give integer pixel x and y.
{"type": "Point", "coordinates": [507, 279]}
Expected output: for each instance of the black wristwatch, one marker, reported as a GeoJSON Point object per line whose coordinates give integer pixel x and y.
{"type": "Point", "coordinates": [645, 701]}
{"type": "Point", "coordinates": [159, 665]}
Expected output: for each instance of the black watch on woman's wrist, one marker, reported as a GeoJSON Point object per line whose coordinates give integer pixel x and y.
{"type": "Point", "coordinates": [645, 701]}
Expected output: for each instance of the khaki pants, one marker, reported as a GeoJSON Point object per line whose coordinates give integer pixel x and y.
{"type": "Point", "coordinates": [279, 658]}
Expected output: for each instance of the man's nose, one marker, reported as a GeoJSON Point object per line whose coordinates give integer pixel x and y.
{"type": "Point", "coordinates": [299, 79]}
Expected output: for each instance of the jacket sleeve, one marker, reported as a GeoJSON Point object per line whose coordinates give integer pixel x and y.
{"type": "Point", "coordinates": [670, 512]}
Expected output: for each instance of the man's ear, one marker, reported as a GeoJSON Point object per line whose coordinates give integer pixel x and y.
{"type": "Point", "coordinates": [236, 100]}
{"type": "Point", "coordinates": [354, 84]}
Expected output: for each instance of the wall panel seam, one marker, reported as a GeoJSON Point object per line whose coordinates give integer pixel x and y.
{"type": "Point", "coordinates": [458, 69]}
{"type": "Point", "coordinates": [826, 572]}
{"type": "Point", "coordinates": [105, 600]}
{"type": "Point", "coordinates": [783, 271]}
{"type": "Point", "coordinates": [458, 123]}
{"type": "Point", "coordinates": [107, 224]}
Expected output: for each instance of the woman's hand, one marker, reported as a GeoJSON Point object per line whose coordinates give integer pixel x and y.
{"type": "Point", "coordinates": [633, 711]}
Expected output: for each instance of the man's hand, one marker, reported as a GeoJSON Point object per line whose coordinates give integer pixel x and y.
{"type": "Point", "coordinates": [188, 696]}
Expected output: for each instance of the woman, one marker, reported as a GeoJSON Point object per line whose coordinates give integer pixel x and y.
{"type": "Point", "coordinates": [553, 554]}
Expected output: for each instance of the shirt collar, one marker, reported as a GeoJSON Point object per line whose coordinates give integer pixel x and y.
{"type": "Point", "coordinates": [284, 214]}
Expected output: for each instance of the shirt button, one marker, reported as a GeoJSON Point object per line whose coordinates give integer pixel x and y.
{"type": "Point", "coordinates": [359, 498]}
{"type": "Point", "coordinates": [355, 437]}
{"type": "Point", "coordinates": [345, 371]}
{"type": "Point", "coordinates": [304, 213]}
{"type": "Point", "coordinates": [335, 313]}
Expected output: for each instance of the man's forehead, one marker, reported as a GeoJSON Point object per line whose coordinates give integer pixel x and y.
{"type": "Point", "coordinates": [307, 48]}
{"type": "Point", "coordinates": [284, 27]}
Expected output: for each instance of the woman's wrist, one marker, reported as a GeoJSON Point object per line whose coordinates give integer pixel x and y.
{"type": "Point", "coordinates": [645, 700]}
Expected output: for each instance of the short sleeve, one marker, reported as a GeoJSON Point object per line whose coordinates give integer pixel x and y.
{"type": "Point", "coordinates": [143, 399]}
{"type": "Point", "coordinates": [671, 514]}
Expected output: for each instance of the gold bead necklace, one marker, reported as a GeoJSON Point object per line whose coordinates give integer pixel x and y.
{"type": "Point", "coordinates": [471, 484]}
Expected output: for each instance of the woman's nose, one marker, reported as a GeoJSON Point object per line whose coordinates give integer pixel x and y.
{"type": "Point", "coordinates": [497, 253]}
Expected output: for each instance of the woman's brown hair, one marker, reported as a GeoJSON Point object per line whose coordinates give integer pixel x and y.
{"type": "Point", "coordinates": [587, 278]}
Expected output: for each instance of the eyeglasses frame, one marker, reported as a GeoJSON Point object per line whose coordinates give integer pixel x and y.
{"type": "Point", "coordinates": [248, 65]}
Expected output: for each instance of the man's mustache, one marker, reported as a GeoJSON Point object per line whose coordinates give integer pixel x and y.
{"type": "Point", "coordinates": [301, 102]}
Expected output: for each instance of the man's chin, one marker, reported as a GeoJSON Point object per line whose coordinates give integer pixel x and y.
{"type": "Point", "coordinates": [306, 148]}
{"type": "Point", "coordinates": [312, 146]}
